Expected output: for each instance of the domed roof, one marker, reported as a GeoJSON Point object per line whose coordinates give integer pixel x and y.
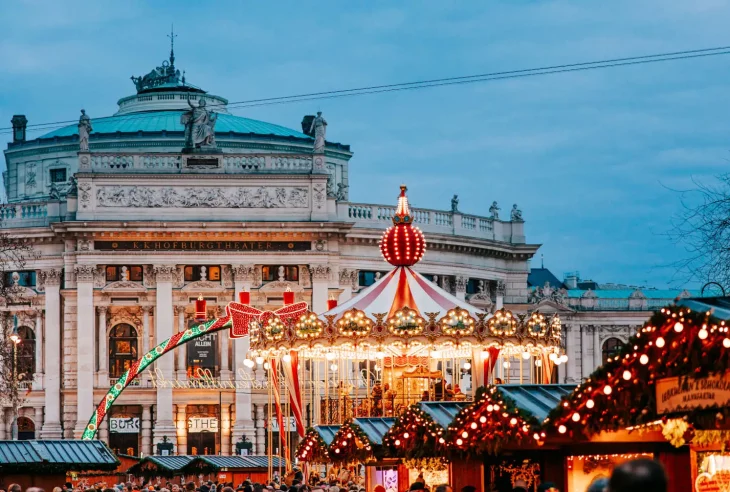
{"type": "Point", "coordinates": [157, 121]}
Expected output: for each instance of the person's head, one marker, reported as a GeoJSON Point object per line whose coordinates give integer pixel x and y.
{"type": "Point", "coordinates": [175, 488]}
{"type": "Point", "coordinates": [546, 487]}
{"type": "Point", "coordinates": [444, 488]}
{"type": "Point", "coordinates": [57, 489]}
{"type": "Point", "coordinates": [190, 486]}
{"type": "Point", "coordinates": [34, 489]}
{"type": "Point", "coordinates": [109, 490]}
{"type": "Point", "coordinates": [417, 486]}
{"type": "Point", "coordinates": [642, 475]}
{"type": "Point", "coordinates": [14, 487]}
{"type": "Point", "coordinates": [227, 489]}
{"type": "Point", "coordinates": [520, 486]}
{"type": "Point", "coordinates": [468, 488]}
{"type": "Point", "coordinates": [598, 485]}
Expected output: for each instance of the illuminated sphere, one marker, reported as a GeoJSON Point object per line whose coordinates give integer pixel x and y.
{"type": "Point", "coordinates": [403, 244]}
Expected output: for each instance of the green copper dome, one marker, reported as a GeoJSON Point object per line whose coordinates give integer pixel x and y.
{"type": "Point", "coordinates": [157, 121]}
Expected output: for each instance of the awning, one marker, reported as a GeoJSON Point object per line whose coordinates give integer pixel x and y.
{"type": "Point", "coordinates": [720, 306]}
{"type": "Point", "coordinates": [374, 428]}
{"type": "Point", "coordinates": [55, 456]}
{"type": "Point", "coordinates": [537, 399]}
{"type": "Point", "coordinates": [327, 432]}
{"type": "Point", "coordinates": [442, 412]}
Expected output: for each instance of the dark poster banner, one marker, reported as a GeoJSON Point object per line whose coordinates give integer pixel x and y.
{"type": "Point", "coordinates": [203, 355]}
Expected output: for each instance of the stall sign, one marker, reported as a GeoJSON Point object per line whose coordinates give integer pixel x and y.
{"type": "Point", "coordinates": [678, 394]}
{"type": "Point", "coordinates": [124, 426]}
{"type": "Point", "coordinates": [202, 424]}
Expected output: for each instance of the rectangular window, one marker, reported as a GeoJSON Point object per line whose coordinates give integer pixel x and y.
{"type": "Point", "coordinates": [214, 273]}
{"type": "Point", "coordinates": [135, 273]}
{"type": "Point", "coordinates": [267, 273]}
{"type": "Point", "coordinates": [368, 278]}
{"type": "Point", "coordinates": [58, 175]}
{"type": "Point", "coordinates": [112, 274]}
{"type": "Point", "coordinates": [25, 278]}
{"type": "Point", "coordinates": [472, 286]}
{"type": "Point", "coordinates": [189, 274]}
{"type": "Point", "coordinates": [292, 273]}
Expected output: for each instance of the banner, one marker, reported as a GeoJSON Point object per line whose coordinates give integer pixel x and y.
{"type": "Point", "coordinates": [291, 378]}
{"type": "Point", "coordinates": [124, 425]}
{"type": "Point", "coordinates": [678, 394]}
{"type": "Point", "coordinates": [202, 424]}
{"type": "Point", "coordinates": [202, 354]}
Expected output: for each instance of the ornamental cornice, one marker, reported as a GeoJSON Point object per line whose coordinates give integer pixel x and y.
{"type": "Point", "coordinates": [164, 273]}
{"type": "Point", "coordinates": [204, 286]}
{"type": "Point", "coordinates": [244, 273]}
{"type": "Point", "coordinates": [320, 272]}
{"type": "Point", "coordinates": [85, 273]}
{"type": "Point", "coordinates": [51, 276]}
{"type": "Point", "coordinates": [260, 176]}
{"type": "Point", "coordinates": [124, 286]}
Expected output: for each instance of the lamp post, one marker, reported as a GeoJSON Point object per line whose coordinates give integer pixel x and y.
{"type": "Point", "coordinates": [15, 338]}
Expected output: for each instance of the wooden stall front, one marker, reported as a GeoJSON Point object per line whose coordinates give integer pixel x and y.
{"type": "Point", "coordinates": [185, 468]}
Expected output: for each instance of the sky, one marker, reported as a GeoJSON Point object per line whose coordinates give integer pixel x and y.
{"type": "Point", "coordinates": [593, 159]}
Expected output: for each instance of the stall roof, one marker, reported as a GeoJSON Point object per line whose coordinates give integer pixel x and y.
{"type": "Point", "coordinates": [720, 306]}
{"type": "Point", "coordinates": [327, 432]}
{"type": "Point", "coordinates": [374, 427]}
{"type": "Point", "coordinates": [66, 454]}
{"type": "Point", "coordinates": [263, 461]}
{"type": "Point", "coordinates": [169, 463]}
{"type": "Point", "coordinates": [442, 412]}
{"type": "Point", "coordinates": [538, 399]}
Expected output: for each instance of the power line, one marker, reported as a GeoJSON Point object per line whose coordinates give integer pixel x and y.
{"type": "Point", "coordinates": [461, 80]}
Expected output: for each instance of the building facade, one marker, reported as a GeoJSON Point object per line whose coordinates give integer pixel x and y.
{"type": "Point", "coordinates": [134, 216]}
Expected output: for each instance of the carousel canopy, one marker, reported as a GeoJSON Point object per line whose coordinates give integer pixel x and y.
{"type": "Point", "coordinates": [402, 287]}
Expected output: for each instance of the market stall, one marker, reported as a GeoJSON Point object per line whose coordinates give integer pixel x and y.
{"type": "Point", "coordinates": [48, 464]}
{"type": "Point", "coordinates": [313, 449]}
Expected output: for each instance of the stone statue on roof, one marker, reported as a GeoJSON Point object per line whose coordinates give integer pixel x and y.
{"type": "Point", "coordinates": [455, 204]}
{"type": "Point", "coordinates": [494, 210]}
{"type": "Point", "coordinates": [342, 192]}
{"type": "Point", "coordinates": [319, 130]}
{"type": "Point", "coordinates": [84, 131]}
{"type": "Point", "coordinates": [199, 126]}
{"type": "Point", "coordinates": [516, 214]}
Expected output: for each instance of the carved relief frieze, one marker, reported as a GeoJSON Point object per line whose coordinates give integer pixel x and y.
{"type": "Point", "coordinates": [85, 273]}
{"type": "Point", "coordinates": [320, 272]}
{"type": "Point", "coordinates": [165, 273]}
{"type": "Point", "coordinates": [227, 276]}
{"type": "Point", "coordinates": [202, 197]}
{"type": "Point", "coordinates": [52, 276]}
{"type": "Point", "coordinates": [319, 195]}
{"type": "Point", "coordinates": [244, 273]}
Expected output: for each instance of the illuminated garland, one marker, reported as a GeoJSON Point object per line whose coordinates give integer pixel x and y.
{"type": "Point", "coordinates": [414, 435]}
{"type": "Point", "coordinates": [312, 448]}
{"type": "Point", "coordinates": [406, 321]}
{"type": "Point", "coordinates": [457, 322]}
{"type": "Point", "coordinates": [492, 421]}
{"type": "Point", "coordinates": [503, 323]}
{"type": "Point", "coordinates": [144, 362]}
{"type": "Point", "coordinates": [354, 323]}
{"type": "Point", "coordinates": [675, 342]}
{"type": "Point", "coordinates": [350, 444]}
{"type": "Point", "coordinates": [309, 326]}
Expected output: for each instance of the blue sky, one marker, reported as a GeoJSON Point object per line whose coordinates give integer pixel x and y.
{"type": "Point", "coordinates": [591, 158]}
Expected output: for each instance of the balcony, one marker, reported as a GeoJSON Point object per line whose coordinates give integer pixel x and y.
{"type": "Point", "coordinates": [435, 221]}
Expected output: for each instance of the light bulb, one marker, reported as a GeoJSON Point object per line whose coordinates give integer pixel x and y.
{"type": "Point", "coordinates": [459, 442]}
{"type": "Point", "coordinates": [562, 429]}
{"type": "Point", "coordinates": [506, 364]}
{"type": "Point", "coordinates": [726, 343]}
{"type": "Point", "coordinates": [552, 357]}
{"type": "Point", "coordinates": [513, 421]}
{"type": "Point", "coordinates": [703, 333]}
{"type": "Point", "coordinates": [286, 358]}
{"type": "Point", "coordinates": [435, 354]}
{"type": "Point", "coordinates": [259, 360]}
{"type": "Point", "coordinates": [330, 356]}
{"type": "Point", "coordinates": [627, 375]}
{"type": "Point", "coordinates": [380, 354]}
{"type": "Point", "coordinates": [406, 435]}
{"type": "Point", "coordinates": [483, 419]}
{"type": "Point", "coordinates": [538, 363]}
{"type": "Point", "coordinates": [467, 365]}
{"type": "Point", "coordinates": [607, 390]}
{"type": "Point", "coordinates": [485, 355]}
{"type": "Point", "coordinates": [678, 327]}
{"type": "Point", "coordinates": [473, 425]}
{"type": "Point", "coordinates": [525, 355]}
{"type": "Point", "coordinates": [333, 367]}
{"type": "Point", "coordinates": [660, 342]}
{"type": "Point", "coordinates": [564, 358]}
{"type": "Point", "coordinates": [465, 434]}
{"type": "Point", "coordinates": [397, 442]}
{"type": "Point", "coordinates": [576, 417]}
{"type": "Point", "coordinates": [248, 363]}
{"type": "Point", "coordinates": [590, 404]}
{"type": "Point", "coordinates": [267, 365]}
{"type": "Point", "coordinates": [644, 359]}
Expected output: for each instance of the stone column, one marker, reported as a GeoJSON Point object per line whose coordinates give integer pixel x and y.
{"type": "Point", "coordinates": [345, 285]}
{"type": "Point", "coordinates": [104, 430]}
{"type": "Point", "coordinates": [3, 423]}
{"type": "Point", "coordinates": [597, 354]}
{"type": "Point", "coordinates": [460, 287]}
{"type": "Point", "coordinates": [164, 423]}
{"type": "Point", "coordinates": [243, 278]}
{"type": "Point", "coordinates": [586, 367]}
{"type": "Point", "coordinates": [38, 420]}
{"type": "Point", "coordinates": [260, 431]}
{"type": "Point", "coordinates": [182, 429]}
{"type": "Point", "coordinates": [84, 346]}
{"type": "Point", "coordinates": [223, 343]}
{"type": "Point", "coordinates": [500, 292]}
{"type": "Point", "coordinates": [38, 376]}
{"type": "Point", "coordinates": [146, 329]}
{"type": "Point", "coordinates": [103, 374]}
{"type": "Point", "coordinates": [146, 448]}
{"type": "Point", "coordinates": [181, 352]}
{"type": "Point", "coordinates": [571, 352]}
{"type": "Point", "coordinates": [52, 356]}
{"type": "Point", "coordinates": [225, 424]}
{"type": "Point", "coordinates": [320, 286]}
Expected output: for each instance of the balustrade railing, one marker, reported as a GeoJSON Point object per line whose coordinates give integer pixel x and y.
{"type": "Point", "coordinates": [172, 163]}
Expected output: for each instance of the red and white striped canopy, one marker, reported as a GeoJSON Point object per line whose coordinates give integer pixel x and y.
{"type": "Point", "coordinates": [402, 287]}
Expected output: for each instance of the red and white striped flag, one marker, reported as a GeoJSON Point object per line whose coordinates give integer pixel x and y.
{"type": "Point", "coordinates": [291, 377]}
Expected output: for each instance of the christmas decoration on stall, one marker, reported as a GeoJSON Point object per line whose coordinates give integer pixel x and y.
{"type": "Point", "coordinates": [491, 422]}
{"type": "Point", "coordinates": [415, 435]}
{"type": "Point", "coordinates": [426, 464]}
{"type": "Point", "coordinates": [350, 445]}
{"type": "Point", "coordinates": [312, 448]}
{"type": "Point", "coordinates": [403, 244]}
{"type": "Point", "coordinates": [675, 342]}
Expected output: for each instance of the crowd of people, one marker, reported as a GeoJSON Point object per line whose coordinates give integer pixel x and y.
{"type": "Point", "coordinates": [641, 475]}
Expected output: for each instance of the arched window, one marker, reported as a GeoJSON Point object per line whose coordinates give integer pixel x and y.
{"type": "Point", "coordinates": [122, 349]}
{"type": "Point", "coordinates": [26, 429]}
{"type": "Point", "coordinates": [26, 353]}
{"type": "Point", "coordinates": [611, 347]}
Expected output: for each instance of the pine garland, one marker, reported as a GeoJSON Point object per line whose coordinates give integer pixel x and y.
{"type": "Point", "coordinates": [312, 448]}
{"type": "Point", "coordinates": [414, 435]}
{"type": "Point", "coordinates": [350, 444]}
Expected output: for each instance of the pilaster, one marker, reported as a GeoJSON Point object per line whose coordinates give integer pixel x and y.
{"type": "Point", "coordinates": [460, 287]}
{"type": "Point", "coordinates": [182, 429]}
{"type": "Point", "coordinates": [103, 374]}
{"type": "Point", "coordinates": [146, 430]}
{"type": "Point", "coordinates": [260, 439]}
{"type": "Point", "coordinates": [320, 287]}
{"type": "Point", "coordinates": [243, 278]}
{"type": "Point", "coordinates": [164, 420]}
{"type": "Point", "coordinates": [52, 356]}
{"type": "Point", "coordinates": [85, 321]}
{"type": "Point", "coordinates": [39, 370]}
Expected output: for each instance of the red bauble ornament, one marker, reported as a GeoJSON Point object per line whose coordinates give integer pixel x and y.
{"type": "Point", "coordinates": [403, 244]}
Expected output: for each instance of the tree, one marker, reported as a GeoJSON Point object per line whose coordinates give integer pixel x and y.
{"type": "Point", "coordinates": [703, 228]}
{"type": "Point", "coordinates": [14, 254]}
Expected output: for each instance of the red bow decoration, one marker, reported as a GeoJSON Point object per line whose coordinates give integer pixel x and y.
{"type": "Point", "coordinates": [242, 315]}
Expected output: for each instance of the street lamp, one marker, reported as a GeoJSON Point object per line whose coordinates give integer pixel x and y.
{"type": "Point", "coordinates": [15, 338]}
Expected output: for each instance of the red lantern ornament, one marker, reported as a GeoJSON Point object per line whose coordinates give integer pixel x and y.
{"type": "Point", "coordinates": [244, 297]}
{"type": "Point", "coordinates": [331, 303]}
{"type": "Point", "coordinates": [201, 313]}
{"type": "Point", "coordinates": [288, 296]}
{"type": "Point", "coordinates": [403, 244]}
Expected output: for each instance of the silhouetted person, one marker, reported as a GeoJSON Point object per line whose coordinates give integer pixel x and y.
{"type": "Point", "coordinates": [640, 475]}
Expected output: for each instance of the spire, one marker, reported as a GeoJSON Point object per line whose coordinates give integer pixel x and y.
{"type": "Point", "coordinates": [402, 211]}
{"type": "Point", "coordinates": [172, 37]}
